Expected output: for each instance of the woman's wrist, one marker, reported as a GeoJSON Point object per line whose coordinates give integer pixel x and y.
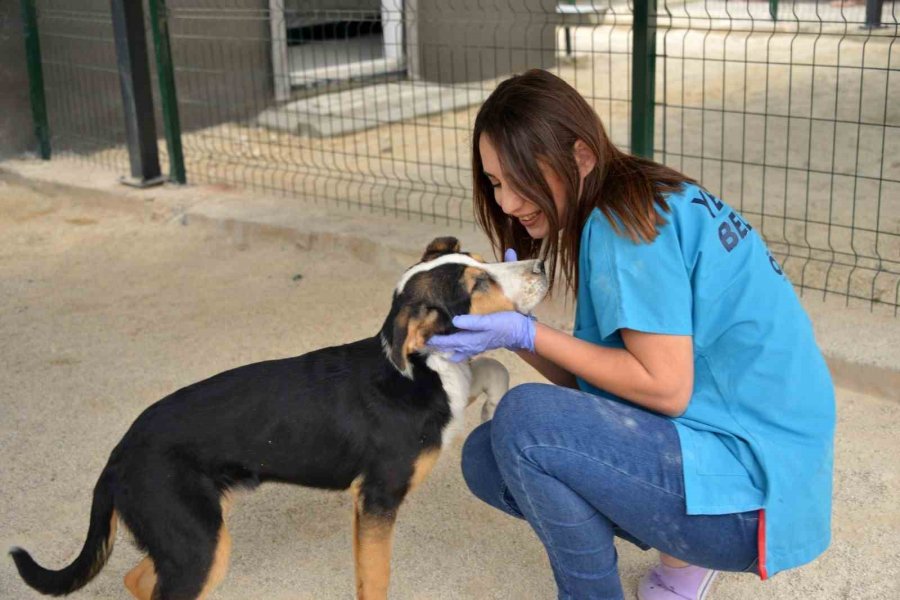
{"type": "Point", "coordinates": [541, 331]}
{"type": "Point", "coordinates": [525, 340]}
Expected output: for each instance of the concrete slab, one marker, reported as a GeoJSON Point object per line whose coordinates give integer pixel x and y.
{"type": "Point", "coordinates": [367, 107]}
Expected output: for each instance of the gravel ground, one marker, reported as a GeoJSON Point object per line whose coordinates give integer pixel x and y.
{"type": "Point", "coordinates": [107, 307]}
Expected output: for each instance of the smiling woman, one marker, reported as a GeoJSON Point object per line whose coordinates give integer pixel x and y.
{"type": "Point", "coordinates": [699, 400]}
{"type": "Point", "coordinates": [537, 148]}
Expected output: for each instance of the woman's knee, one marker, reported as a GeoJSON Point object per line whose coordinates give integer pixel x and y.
{"type": "Point", "coordinates": [518, 404]}
{"type": "Point", "coordinates": [481, 473]}
{"type": "Point", "coordinates": [522, 408]}
{"type": "Point", "coordinates": [479, 468]}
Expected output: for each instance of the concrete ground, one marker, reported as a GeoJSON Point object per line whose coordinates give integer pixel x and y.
{"type": "Point", "coordinates": [112, 298]}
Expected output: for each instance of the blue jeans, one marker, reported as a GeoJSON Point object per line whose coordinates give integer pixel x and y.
{"type": "Point", "coordinates": [582, 469]}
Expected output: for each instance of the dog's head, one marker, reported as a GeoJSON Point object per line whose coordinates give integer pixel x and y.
{"type": "Point", "coordinates": [448, 282]}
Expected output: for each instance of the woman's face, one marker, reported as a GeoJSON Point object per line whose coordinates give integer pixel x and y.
{"type": "Point", "coordinates": [529, 215]}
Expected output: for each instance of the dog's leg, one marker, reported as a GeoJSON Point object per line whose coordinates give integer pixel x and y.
{"type": "Point", "coordinates": [374, 518]}
{"type": "Point", "coordinates": [423, 467]}
{"type": "Point", "coordinates": [372, 540]}
{"type": "Point", "coordinates": [375, 546]}
{"type": "Point", "coordinates": [354, 494]}
{"type": "Point", "coordinates": [141, 580]}
{"type": "Point", "coordinates": [220, 563]}
{"type": "Point", "coordinates": [491, 378]}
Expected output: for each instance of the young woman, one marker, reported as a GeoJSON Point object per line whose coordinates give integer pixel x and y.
{"type": "Point", "coordinates": [691, 410]}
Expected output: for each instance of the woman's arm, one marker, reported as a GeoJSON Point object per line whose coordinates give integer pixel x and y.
{"type": "Point", "coordinates": [653, 370]}
{"type": "Point", "coordinates": [551, 371]}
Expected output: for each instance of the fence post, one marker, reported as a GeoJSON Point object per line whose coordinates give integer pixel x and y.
{"type": "Point", "coordinates": [643, 78]}
{"type": "Point", "coordinates": [280, 64]}
{"type": "Point", "coordinates": [165, 71]}
{"type": "Point", "coordinates": [773, 9]}
{"type": "Point", "coordinates": [873, 14]}
{"type": "Point", "coordinates": [36, 77]}
{"type": "Point", "coordinates": [137, 96]}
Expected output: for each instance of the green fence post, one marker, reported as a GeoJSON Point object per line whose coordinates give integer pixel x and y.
{"type": "Point", "coordinates": [643, 78]}
{"type": "Point", "coordinates": [773, 9]}
{"type": "Point", "coordinates": [165, 70]}
{"type": "Point", "coordinates": [36, 78]}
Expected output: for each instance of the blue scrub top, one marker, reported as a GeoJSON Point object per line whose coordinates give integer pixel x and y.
{"type": "Point", "coordinates": [758, 432]}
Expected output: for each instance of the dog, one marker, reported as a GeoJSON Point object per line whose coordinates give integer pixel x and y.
{"type": "Point", "coordinates": [370, 417]}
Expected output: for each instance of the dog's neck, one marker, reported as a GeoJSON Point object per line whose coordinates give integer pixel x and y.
{"type": "Point", "coordinates": [421, 355]}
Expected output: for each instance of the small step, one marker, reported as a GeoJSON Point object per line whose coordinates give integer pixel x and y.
{"type": "Point", "coordinates": [580, 13]}
{"type": "Point", "coordinates": [359, 109]}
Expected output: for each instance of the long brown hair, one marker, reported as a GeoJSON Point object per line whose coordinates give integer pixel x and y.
{"type": "Point", "coordinates": [536, 118]}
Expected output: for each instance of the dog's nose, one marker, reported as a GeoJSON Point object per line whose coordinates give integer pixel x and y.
{"type": "Point", "coordinates": [538, 268]}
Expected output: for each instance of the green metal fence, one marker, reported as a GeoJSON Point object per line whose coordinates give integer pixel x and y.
{"type": "Point", "coordinates": [797, 122]}
{"type": "Point", "coordinates": [794, 120]}
{"type": "Point", "coordinates": [74, 82]}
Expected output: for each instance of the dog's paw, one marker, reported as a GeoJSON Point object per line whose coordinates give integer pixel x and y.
{"type": "Point", "coordinates": [488, 409]}
{"type": "Point", "coordinates": [491, 378]}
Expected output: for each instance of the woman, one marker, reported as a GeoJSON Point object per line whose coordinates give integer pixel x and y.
{"type": "Point", "coordinates": [692, 411]}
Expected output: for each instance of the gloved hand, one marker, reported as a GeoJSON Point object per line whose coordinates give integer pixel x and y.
{"type": "Point", "coordinates": [511, 330]}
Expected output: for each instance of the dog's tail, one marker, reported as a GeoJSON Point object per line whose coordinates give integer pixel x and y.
{"type": "Point", "coordinates": [97, 548]}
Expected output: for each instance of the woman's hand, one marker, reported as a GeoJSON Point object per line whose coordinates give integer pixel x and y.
{"type": "Point", "coordinates": [480, 333]}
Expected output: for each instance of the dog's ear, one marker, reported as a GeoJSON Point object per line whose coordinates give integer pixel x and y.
{"type": "Point", "coordinates": [440, 246]}
{"type": "Point", "coordinates": [412, 327]}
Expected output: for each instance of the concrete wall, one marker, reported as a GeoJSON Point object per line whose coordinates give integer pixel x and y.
{"type": "Point", "coordinates": [16, 130]}
{"type": "Point", "coordinates": [456, 41]}
{"type": "Point", "coordinates": [223, 61]}
{"type": "Point", "coordinates": [223, 71]}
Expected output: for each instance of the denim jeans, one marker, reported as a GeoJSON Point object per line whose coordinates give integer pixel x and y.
{"type": "Point", "coordinates": [582, 469]}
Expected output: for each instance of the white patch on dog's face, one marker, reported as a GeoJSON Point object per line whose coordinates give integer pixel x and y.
{"type": "Point", "coordinates": [523, 282]}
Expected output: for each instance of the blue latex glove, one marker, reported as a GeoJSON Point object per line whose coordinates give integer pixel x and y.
{"type": "Point", "coordinates": [511, 330]}
{"type": "Point", "coordinates": [481, 333]}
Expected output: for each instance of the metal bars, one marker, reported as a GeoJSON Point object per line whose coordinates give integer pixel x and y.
{"type": "Point", "coordinates": [643, 78]}
{"type": "Point", "coordinates": [873, 14]}
{"type": "Point", "coordinates": [36, 78]}
{"type": "Point", "coordinates": [137, 98]}
{"type": "Point", "coordinates": [165, 71]}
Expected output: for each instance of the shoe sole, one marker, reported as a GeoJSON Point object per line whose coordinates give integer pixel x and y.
{"type": "Point", "coordinates": [705, 586]}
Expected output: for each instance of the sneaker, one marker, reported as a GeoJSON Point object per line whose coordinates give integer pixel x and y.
{"type": "Point", "coordinates": [672, 583]}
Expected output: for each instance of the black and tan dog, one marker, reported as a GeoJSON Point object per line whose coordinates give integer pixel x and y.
{"type": "Point", "coordinates": [370, 416]}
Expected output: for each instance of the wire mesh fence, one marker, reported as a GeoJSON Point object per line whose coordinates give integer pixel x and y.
{"type": "Point", "coordinates": [81, 82]}
{"type": "Point", "coordinates": [797, 123]}
{"type": "Point", "coordinates": [795, 120]}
